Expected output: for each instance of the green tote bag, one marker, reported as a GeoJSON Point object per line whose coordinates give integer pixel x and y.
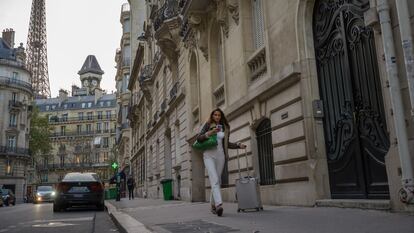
{"type": "Point", "coordinates": [207, 144]}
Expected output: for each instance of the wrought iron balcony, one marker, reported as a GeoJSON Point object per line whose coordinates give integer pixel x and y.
{"type": "Point", "coordinates": [146, 73]}
{"type": "Point", "coordinates": [169, 10]}
{"type": "Point", "coordinates": [13, 104]}
{"type": "Point", "coordinates": [59, 120]}
{"type": "Point", "coordinates": [14, 151]}
{"type": "Point", "coordinates": [80, 133]}
{"type": "Point", "coordinates": [70, 165]}
{"type": "Point", "coordinates": [15, 83]}
{"type": "Point", "coordinates": [174, 91]}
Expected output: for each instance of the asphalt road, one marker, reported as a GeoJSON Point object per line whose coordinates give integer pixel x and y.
{"type": "Point", "coordinates": [41, 219]}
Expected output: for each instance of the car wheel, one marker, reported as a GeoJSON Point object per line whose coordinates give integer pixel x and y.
{"type": "Point", "coordinates": [14, 203]}
{"type": "Point", "coordinates": [56, 208]}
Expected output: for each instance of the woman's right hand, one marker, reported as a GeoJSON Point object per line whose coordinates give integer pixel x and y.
{"type": "Point", "coordinates": [211, 132]}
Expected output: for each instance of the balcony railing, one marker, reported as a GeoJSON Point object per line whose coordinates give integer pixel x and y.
{"type": "Point", "coordinates": [80, 133]}
{"type": "Point", "coordinates": [57, 120]}
{"type": "Point", "coordinates": [174, 91]}
{"type": "Point", "coordinates": [146, 73]}
{"type": "Point", "coordinates": [70, 165]}
{"type": "Point", "coordinates": [14, 151]}
{"type": "Point", "coordinates": [169, 10]}
{"type": "Point", "coordinates": [219, 95]}
{"type": "Point", "coordinates": [15, 104]}
{"type": "Point", "coordinates": [15, 82]}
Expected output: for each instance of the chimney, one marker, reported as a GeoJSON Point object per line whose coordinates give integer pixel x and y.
{"type": "Point", "coordinates": [63, 95]}
{"type": "Point", "coordinates": [8, 36]}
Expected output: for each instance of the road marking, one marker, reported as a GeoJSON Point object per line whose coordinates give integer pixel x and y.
{"type": "Point", "coordinates": [54, 224]}
{"type": "Point", "coordinates": [65, 220]}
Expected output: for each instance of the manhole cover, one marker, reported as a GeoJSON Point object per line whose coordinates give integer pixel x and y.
{"type": "Point", "coordinates": [196, 226]}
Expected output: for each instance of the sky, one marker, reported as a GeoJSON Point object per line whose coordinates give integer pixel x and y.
{"type": "Point", "coordinates": [75, 29]}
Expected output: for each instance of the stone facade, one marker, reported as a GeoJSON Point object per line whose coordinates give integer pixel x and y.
{"type": "Point", "coordinates": [123, 95]}
{"type": "Point", "coordinates": [15, 107]}
{"type": "Point", "coordinates": [255, 60]}
{"type": "Point", "coordinates": [84, 126]}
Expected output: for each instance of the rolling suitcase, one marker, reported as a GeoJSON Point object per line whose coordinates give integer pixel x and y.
{"type": "Point", "coordinates": [247, 189]}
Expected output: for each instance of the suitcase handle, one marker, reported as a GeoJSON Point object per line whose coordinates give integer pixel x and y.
{"type": "Point", "coordinates": [247, 162]}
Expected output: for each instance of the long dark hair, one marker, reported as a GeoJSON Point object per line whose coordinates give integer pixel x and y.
{"type": "Point", "coordinates": [223, 119]}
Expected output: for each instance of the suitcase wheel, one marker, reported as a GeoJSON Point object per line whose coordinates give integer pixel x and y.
{"type": "Point", "coordinates": [261, 208]}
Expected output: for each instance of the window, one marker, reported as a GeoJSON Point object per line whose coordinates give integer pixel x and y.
{"type": "Point", "coordinates": [89, 115]}
{"type": "Point", "coordinates": [105, 142]}
{"type": "Point", "coordinates": [265, 152]}
{"type": "Point", "coordinates": [47, 107]}
{"type": "Point", "coordinates": [89, 105]}
{"type": "Point", "coordinates": [83, 105]}
{"type": "Point", "coordinates": [63, 130]}
{"type": "Point", "coordinates": [9, 168]}
{"type": "Point", "coordinates": [106, 127]}
{"type": "Point", "coordinates": [11, 142]}
{"type": "Point", "coordinates": [79, 129]}
{"type": "Point", "coordinates": [100, 115]}
{"type": "Point", "coordinates": [258, 24]}
{"type": "Point", "coordinates": [14, 97]}
{"type": "Point", "coordinates": [105, 156]}
{"type": "Point", "coordinates": [88, 128]}
{"type": "Point", "coordinates": [53, 107]}
{"type": "Point", "coordinates": [99, 127]}
{"type": "Point", "coordinates": [108, 103]}
{"type": "Point", "coordinates": [15, 76]}
{"type": "Point", "coordinates": [13, 120]}
{"type": "Point", "coordinates": [65, 106]}
{"type": "Point", "coordinates": [80, 116]}
{"type": "Point", "coordinates": [44, 177]}
{"type": "Point", "coordinates": [65, 117]}
{"type": "Point", "coordinates": [108, 114]}
{"type": "Point", "coordinates": [101, 103]}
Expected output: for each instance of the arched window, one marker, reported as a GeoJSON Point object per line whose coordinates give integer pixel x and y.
{"type": "Point", "coordinates": [265, 152]}
{"type": "Point", "coordinates": [258, 23]}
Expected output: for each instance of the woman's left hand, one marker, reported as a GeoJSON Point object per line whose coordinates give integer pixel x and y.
{"type": "Point", "coordinates": [242, 146]}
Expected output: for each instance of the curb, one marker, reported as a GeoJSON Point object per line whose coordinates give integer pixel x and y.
{"type": "Point", "coordinates": [124, 222]}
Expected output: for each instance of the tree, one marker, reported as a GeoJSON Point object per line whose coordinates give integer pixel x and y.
{"type": "Point", "coordinates": [39, 143]}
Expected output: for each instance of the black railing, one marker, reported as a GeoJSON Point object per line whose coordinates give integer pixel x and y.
{"type": "Point", "coordinates": [70, 165]}
{"type": "Point", "coordinates": [174, 91]}
{"type": "Point", "coordinates": [80, 133]}
{"type": "Point", "coordinates": [265, 147]}
{"type": "Point", "coordinates": [146, 73]}
{"type": "Point", "coordinates": [14, 150]}
{"type": "Point", "coordinates": [169, 10]}
{"type": "Point", "coordinates": [55, 119]}
{"type": "Point", "coordinates": [15, 104]}
{"type": "Point", "coordinates": [15, 82]}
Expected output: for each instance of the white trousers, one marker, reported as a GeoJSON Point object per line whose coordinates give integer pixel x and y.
{"type": "Point", "coordinates": [214, 165]}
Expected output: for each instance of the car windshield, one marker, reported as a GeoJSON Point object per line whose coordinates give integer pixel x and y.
{"type": "Point", "coordinates": [44, 188]}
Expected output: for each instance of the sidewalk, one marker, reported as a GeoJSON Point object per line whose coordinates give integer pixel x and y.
{"type": "Point", "coordinates": [184, 217]}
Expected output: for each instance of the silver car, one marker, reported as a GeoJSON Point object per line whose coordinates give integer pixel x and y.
{"type": "Point", "coordinates": [44, 194]}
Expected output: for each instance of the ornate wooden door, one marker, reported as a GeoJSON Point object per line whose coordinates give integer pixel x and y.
{"type": "Point", "coordinates": [354, 122]}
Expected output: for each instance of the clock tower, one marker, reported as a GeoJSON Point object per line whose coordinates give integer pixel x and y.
{"type": "Point", "coordinates": [91, 75]}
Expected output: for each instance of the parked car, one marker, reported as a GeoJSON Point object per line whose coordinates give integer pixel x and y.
{"type": "Point", "coordinates": [79, 189]}
{"type": "Point", "coordinates": [8, 197]}
{"type": "Point", "coordinates": [44, 194]}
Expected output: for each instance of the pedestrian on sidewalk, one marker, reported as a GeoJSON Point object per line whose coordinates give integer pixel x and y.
{"type": "Point", "coordinates": [214, 159]}
{"type": "Point", "coordinates": [131, 186]}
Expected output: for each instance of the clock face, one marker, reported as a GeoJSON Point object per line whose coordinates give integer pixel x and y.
{"type": "Point", "coordinates": [94, 82]}
{"type": "Point", "coordinates": [85, 83]}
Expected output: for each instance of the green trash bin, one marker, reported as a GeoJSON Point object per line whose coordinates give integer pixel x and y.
{"type": "Point", "coordinates": [112, 193]}
{"type": "Point", "coordinates": [167, 189]}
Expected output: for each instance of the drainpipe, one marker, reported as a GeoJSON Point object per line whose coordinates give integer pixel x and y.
{"type": "Point", "coordinates": [407, 45]}
{"type": "Point", "coordinates": [407, 191]}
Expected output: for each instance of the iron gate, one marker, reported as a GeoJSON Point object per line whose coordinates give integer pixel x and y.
{"type": "Point", "coordinates": [265, 149]}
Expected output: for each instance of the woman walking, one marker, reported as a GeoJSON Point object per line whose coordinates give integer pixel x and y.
{"type": "Point", "coordinates": [215, 158]}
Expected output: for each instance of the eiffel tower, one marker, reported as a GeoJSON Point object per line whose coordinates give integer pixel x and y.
{"type": "Point", "coordinates": [37, 51]}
